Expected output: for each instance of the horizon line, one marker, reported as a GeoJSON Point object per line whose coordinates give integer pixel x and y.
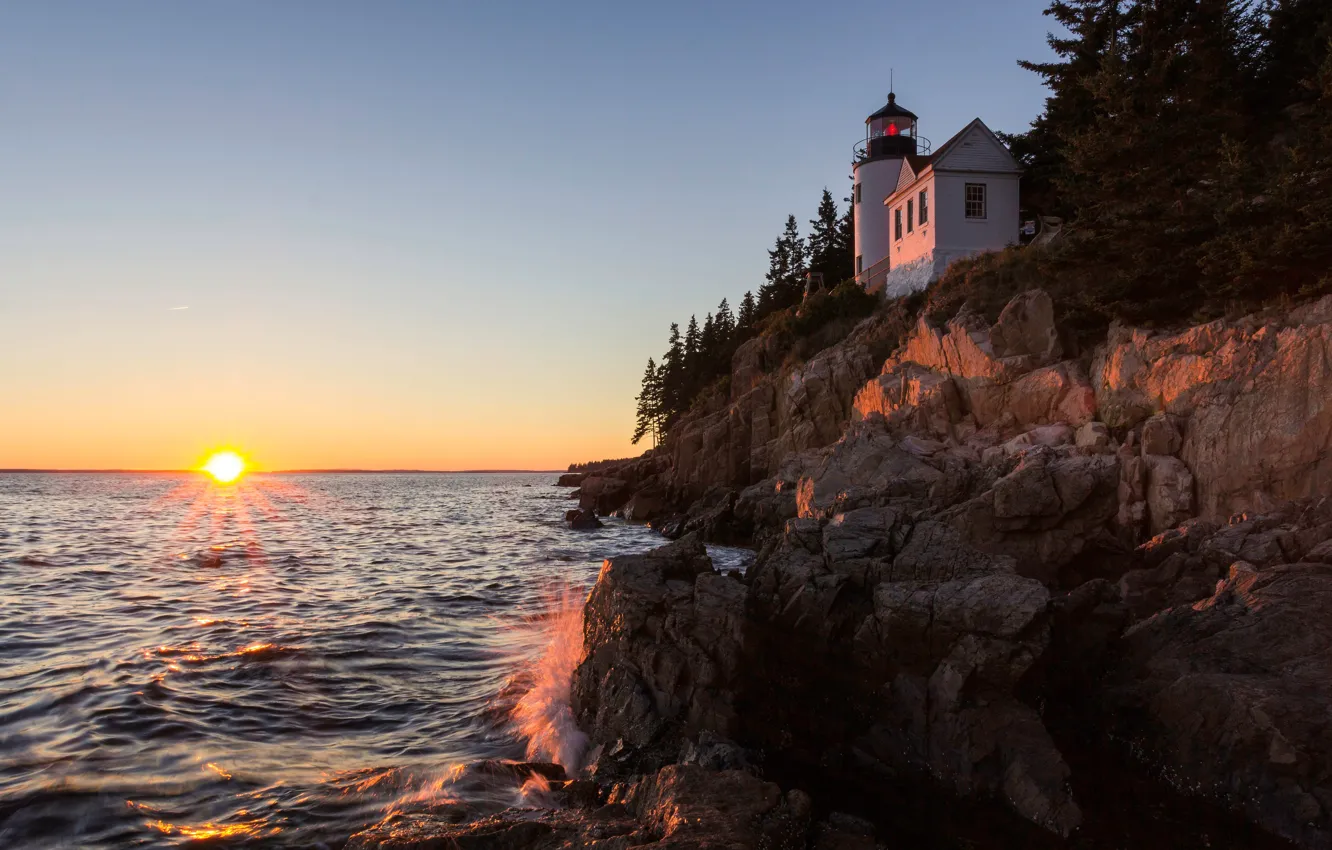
{"type": "Point", "coordinates": [334, 470]}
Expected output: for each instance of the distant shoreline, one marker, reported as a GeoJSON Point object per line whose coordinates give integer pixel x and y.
{"type": "Point", "coordinates": [20, 471]}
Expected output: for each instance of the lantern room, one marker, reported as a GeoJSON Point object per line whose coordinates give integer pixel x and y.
{"type": "Point", "coordinates": [891, 131]}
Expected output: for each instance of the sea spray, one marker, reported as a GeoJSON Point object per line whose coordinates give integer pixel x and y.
{"type": "Point", "coordinates": [543, 714]}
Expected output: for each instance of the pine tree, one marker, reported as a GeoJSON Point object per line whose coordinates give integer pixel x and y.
{"type": "Point", "coordinates": [786, 271]}
{"type": "Point", "coordinates": [649, 406]}
{"type": "Point", "coordinates": [845, 247]}
{"type": "Point", "coordinates": [1169, 98]}
{"type": "Point", "coordinates": [707, 346]}
{"type": "Point", "coordinates": [748, 314]}
{"type": "Point", "coordinates": [692, 351]}
{"type": "Point", "coordinates": [673, 379]}
{"type": "Point", "coordinates": [1094, 29]}
{"type": "Point", "coordinates": [824, 256]}
{"type": "Point", "coordinates": [724, 324]}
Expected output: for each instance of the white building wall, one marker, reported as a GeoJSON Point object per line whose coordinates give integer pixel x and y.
{"type": "Point", "coordinates": [877, 181]}
{"type": "Point", "coordinates": [920, 258]}
{"type": "Point", "coordinates": [957, 233]}
{"type": "Point", "coordinates": [920, 241]}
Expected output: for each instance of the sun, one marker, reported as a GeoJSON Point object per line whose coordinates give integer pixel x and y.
{"type": "Point", "coordinates": [225, 467]}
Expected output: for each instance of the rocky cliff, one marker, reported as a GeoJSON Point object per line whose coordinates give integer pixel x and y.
{"type": "Point", "coordinates": [987, 560]}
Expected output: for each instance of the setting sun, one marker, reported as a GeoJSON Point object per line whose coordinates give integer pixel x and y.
{"type": "Point", "coordinates": [225, 467]}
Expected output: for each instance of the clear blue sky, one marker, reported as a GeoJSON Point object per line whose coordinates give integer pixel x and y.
{"type": "Point", "coordinates": [420, 234]}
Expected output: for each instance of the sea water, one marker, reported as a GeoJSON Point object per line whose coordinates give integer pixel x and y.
{"type": "Point", "coordinates": [281, 662]}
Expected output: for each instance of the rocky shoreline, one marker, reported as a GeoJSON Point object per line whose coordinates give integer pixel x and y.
{"type": "Point", "coordinates": [1006, 594]}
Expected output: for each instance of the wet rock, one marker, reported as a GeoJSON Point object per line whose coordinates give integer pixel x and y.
{"type": "Point", "coordinates": [603, 495]}
{"type": "Point", "coordinates": [662, 644]}
{"type": "Point", "coordinates": [645, 505]}
{"type": "Point", "coordinates": [582, 520]}
{"type": "Point", "coordinates": [691, 807]}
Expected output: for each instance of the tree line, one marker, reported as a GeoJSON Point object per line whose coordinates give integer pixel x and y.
{"type": "Point", "coordinates": [1188, 146]}
{"type": "Point", "coordinates": [698, 358]}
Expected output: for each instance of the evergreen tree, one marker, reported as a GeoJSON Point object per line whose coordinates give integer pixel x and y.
{"type": "Point", "coordinates": [1093, 31]}
{"type": "Point", "coordinates": [649, 406]}
{"type": "Point", "coordinates": [674, 391]}
{"type": "Point", "coordinates": [786, 271]}
{"type": "Point", "coordinates": [748, 314]}
{"type": "Point", "coordinates": [845, 246]}
{"type": "Point", "coordinates": [824, 254]}
{"type": "Point", "coordinates": [724, 324]}
{"type": "Point", "coordinates": [1168, 99]}
{"type": "Point", "coordinates": [707, 346]}
{"type": "Point", "coordinates": [692, 350]}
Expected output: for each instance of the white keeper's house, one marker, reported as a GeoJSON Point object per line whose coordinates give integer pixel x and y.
{"type": "Point", "coordinates": [917, 210]}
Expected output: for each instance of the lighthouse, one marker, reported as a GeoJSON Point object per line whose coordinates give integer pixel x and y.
{"type": "Point", "coordinates": [890, 137]}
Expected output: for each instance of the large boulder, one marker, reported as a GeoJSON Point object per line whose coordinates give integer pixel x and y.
{"type": "Point", "coordinates": [662, 641]}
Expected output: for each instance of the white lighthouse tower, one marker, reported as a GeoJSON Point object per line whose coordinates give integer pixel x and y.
{"type": "Point", "coordinates": [890, 136]}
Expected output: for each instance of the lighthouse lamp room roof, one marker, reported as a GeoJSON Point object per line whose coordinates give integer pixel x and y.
{"type": "Point", "coordinates": [891, 131]}
{"type": "Point", "coordinates": [917, 211]}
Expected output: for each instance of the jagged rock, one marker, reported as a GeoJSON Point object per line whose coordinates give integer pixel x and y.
{"type": "Point", "coordinates": [645, 505]}
{"type": "Point", "coordinates": [582, 520]}
{"type": "Point", "coordinates": [910, 399]}
{"type": "Point", "coordinates": [662, 638]}
{"type": "Point", "coordinates": [681, 807]}
{"type": "Point", "coordinates": [571, 479]}
{"type": "Point", "coordinates": [1026, 327]}
{"type": "Point", "coordinates": [944, 631]}
{"type": "Point", "coordinates": [1169, 492]}
{"type": "Point", "coordinates": [603, 495]}
{"type": "Point", "coordinates": [1255, 399]}
{"type": "Point", "coordinates": [1046, 512]}
{"type": "Point", "coordinates": [690, 807]}
{"type": "Point", "coordinates": [1093, 435]}
{"type": "Point", "coordinates": [1231, 694]}
{"type": "Point", "coordinates": [1160, 436]}
{"type": "Point", "coordinates": [867, 464]}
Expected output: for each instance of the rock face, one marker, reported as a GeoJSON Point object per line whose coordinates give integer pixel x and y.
{"type": "Point", "coordinates": [931, 637]}
{"type": "Point", "coordinates": [953, 533]}
{"type": "Point", "coordinates": [1253, 400]}
{"type": "Point", "coordinates": [907, 611]}
{"type": "Point", "coordinates": [1227, 675]}
{"type": "Point", "coordinates": [662, 638]}
{"type": "Point", "coordinates": [681, 807]}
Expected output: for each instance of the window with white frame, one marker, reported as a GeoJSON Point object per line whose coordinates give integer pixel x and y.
{"type": "Point", "coordinates": [857, 193]}
{"type": "Point", "coordinates": [924, 207]}
{"type": "Point", "coordinates": [897, 223]}
{"type": "Point", "coordinates": [911, 218]}
{"type": "Point", "coordinates": [975, 200]}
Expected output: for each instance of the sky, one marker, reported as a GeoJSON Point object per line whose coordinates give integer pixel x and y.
{"type": "Point", "coordinates": [428, 235]}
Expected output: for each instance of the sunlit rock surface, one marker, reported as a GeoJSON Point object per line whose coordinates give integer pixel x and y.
{"type": "Point", "coordinates": [973, 530]}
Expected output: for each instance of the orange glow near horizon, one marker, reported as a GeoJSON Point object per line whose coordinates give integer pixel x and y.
{"type": "Point", "coordinates": [225, 467]}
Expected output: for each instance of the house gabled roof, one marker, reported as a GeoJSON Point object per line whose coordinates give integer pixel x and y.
{"type": "Point", "coordinates": [979, 140]}
{"type": "Point", "coordinates": [973, 148]}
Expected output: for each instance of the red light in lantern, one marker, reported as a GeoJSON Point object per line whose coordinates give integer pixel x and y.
{"type": "Point", "coordinates": [892, 129]}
